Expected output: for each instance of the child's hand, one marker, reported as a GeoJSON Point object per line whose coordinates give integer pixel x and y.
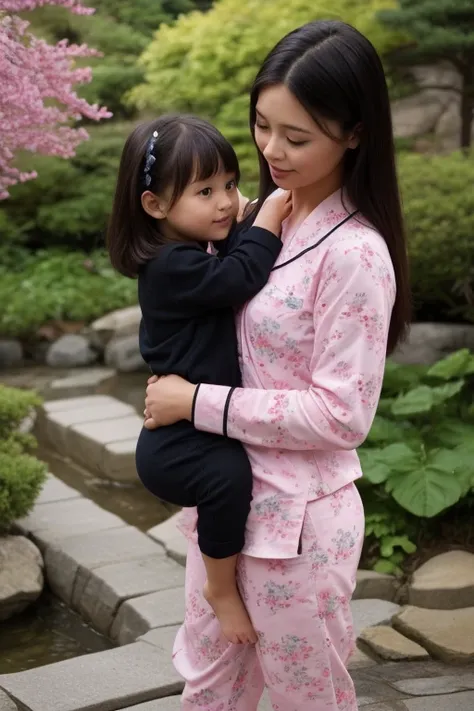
{"type": "Point", "coordinates": [273, 211]}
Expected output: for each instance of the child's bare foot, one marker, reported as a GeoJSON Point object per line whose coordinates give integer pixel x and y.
{"type": "Point", "coordinates": [232, 615]}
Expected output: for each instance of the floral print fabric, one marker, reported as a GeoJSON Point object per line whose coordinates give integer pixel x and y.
{"type": "Point", "coordinates": [300, 610]}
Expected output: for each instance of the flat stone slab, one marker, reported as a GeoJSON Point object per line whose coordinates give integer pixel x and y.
{"type": "Point", "coordinates": [374, 585]}
{"type": "Point", "coordinates": [445, 582]}
{"type": "Point", "coordinates": [56, 490]}
{"type": "Point", "coordinates": [172, 703]}
{"type": "Point", "coordinates": [368, 612]}
{"type": "Point", "coordinates": [109, 586]}
{"type": "Point", "coordinates": [76, 403]}
{"type": "Point", "coordinates": [446, 634]}
{"type": "Point", "coordinates": [87, 382]}
{"type": "Point", "coordinates": [452, 702]}
{"type": "Point", "coordinates": [88, 442]}
{"type": "Point", "coordinates": [105, 681]}
{"type": "Point", "coordinates": [162, 637]}
{"type": "Point", "coordinates": [138, 616]}
{"type": "Point", "coordinates": [117, 460]}
{"type": "Point", "coordinates": [391, 645]}
{"type": "Point", "coordinates": [6, 704]}
{"type": "Point", "coordinates": [171, 538]}
{"type": "Point", "coordinates": [69, 563]}
{"type": "Point", "coordinates": [58, 520]}
{"type": "Point", "coordinates": [57, 425]}
{"type": "Point", "coordinates": [432, 686]}
{"type": "Point", "coordinates": [359, 660]}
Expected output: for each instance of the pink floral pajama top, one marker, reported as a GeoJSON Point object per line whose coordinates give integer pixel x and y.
{"type": "Point", "coordinates": [312, 348]}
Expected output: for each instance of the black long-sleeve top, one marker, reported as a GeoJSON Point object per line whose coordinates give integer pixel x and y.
{"type": "Point", "coordinates": [188, 299]}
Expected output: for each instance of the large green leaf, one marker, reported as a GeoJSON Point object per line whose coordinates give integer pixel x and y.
{"type": "Point", "coordinates": [399, 457]}
{"type": "Point", "coordinates": [414, 402]}
{"type": "Point", "coordinates": [452, 433]}
{"type": "Point", "coordinates": [373, 468]}
{"type": "Point", "coordinates": [426, 491]}
{"type": "Point", "coordinates": [384, 430]}
{"type": "Point", "coordinates": [442, 393]}
{"type": "Point", "coordinates": [399, 377]}
{"type": "Point", "coordinates": [453, 366]}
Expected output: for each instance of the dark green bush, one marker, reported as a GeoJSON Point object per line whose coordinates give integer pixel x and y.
{"type": "Point", "coordinates": [57, 285]}
{"type": "Point", "coordinates": [21, 475]}
{"type": "Point", "coordinates": [438, 201]}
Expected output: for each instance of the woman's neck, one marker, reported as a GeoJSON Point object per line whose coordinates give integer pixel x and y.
{"type": "Point", "coordinates": [307, 199]}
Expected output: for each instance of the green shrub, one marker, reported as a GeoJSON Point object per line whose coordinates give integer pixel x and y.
{"type": "Point", "coordinates": [21, 474]}
{"type": "Point", "coordinates": [438, 201]}
{"type": "Point", "coordinates": [57, 285]}
{"type": "Point", "coordinates": [418, 460]}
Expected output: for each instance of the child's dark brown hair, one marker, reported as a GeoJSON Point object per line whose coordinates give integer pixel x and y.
{"type": "Point", "coordinates": [185, 149]}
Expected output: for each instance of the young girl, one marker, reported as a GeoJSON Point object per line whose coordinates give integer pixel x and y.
{"type": "Point", "coordinates": [176, 192]}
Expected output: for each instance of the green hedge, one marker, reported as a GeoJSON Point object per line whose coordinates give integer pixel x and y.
{"type": "Point", "coordinates": [438, 201]}
{"type": "Point", "coordinates": [21, 474]}
{"type": "Point", "coordinates": [73, 286]}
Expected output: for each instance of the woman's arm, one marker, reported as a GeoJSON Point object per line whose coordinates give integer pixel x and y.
{"type": "Point", "coordinates": [351, 320]}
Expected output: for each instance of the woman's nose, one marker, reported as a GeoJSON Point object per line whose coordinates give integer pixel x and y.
{"type": "Point", "coordinates": [273, 150]}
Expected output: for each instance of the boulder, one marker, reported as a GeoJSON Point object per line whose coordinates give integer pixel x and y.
{"type": "Point", "coordinates": [416, 115]}
{"type": "Point", "coordinates": [21, 575]}
{"type": "Point", "coordinates": [11, 353]}
{"type": "Point", "coordinates": [123, 354]}
{"type": "Point", "coordinates": [429, 342]}
{"type": "Point", "coordinates": [119, 323]}
{"type": "Point", "coordinates": [445, 582]}
{"type": "Point", "coordinates": [70, 351]}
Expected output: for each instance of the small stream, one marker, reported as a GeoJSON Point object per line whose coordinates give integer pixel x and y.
{"type": "Point", "coordinates": [49, 631]}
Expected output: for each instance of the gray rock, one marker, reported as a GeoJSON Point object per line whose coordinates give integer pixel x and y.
{"type": "Point", "coordinates": [162, 637]}
{"type": "Point", "coordinates": [431, 686]}
{"type": "Point", "coordinates": [6, 703]}
{"type": "Point", "coordinates": [360, 660]}
{"type": "Point", "coordinates": [445, 582]}
{"type": "Point", "coordinates": [452, 702]}
{"type": "Point", "coordinates": [123, 354]}
{"type": "Point", "coordinates": [96, 682]}
{"type": "Point", "coordinates": [416, 115]}
{"type": "Point", "coordinates": [367, 613]}
{"type": "Point", "coordinates": [11, 353]}
{"type": "Point", "coordinates": [21, 575]}
{"type": "Point", "coordinates": [119, 323]}
{"type": "Point", "coordinates": [70, 351]}
{"type": "Point", "coordinates": [429, 342]}
{"type": "Point", "coordinates": [447, 635]}
{"type": "Point", "coordinates": [136, 617]}
{"type": "Point", "coordinates": [171, 538]}
{"type": "Point", "coordinates": [375, 586]}
{"type": "Point", "coordinates": [69, 563]}
{"type": "Point", "coordinates": [109, 586]}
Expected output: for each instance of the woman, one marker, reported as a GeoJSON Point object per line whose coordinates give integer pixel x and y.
{"type": "Point", "coordinates": [313, 345]}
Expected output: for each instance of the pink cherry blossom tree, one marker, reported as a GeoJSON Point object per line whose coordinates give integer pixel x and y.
{"type": "Point", "coordinates": [38, 104]}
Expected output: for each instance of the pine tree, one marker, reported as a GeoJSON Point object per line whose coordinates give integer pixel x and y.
{"type": "Point", "coordinates": [439, 30]}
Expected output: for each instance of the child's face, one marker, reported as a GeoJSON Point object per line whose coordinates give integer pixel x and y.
{"type": "Point", "coordinates": [206, 209]}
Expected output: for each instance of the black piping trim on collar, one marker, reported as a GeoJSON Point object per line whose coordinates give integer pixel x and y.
{"type": "Point", "coordinates": [313, 246]}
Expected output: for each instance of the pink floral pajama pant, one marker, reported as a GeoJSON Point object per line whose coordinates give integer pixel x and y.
{"type": "Point", "coordinates": [300, 610]}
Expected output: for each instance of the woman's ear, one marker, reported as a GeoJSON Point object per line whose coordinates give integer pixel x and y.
{"type": "Point", "coordinates": [153, 205]}
{"type": "Point", "coordinates": [353, 140]}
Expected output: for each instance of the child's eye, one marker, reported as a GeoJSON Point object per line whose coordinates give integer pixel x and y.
{"type": "Point", "coordinates": [205, 192]}
{"type": "Point", "coordinates": [230, 185]}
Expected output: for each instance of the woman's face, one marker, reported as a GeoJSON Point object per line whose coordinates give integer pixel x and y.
{"type": "Point", "coordinates": [298, 153]}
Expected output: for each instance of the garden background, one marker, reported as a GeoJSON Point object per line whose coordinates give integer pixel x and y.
{"type": "Point", "coordinates": [198, 56]}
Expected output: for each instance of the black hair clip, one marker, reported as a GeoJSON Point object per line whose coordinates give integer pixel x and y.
{"type": "Point", "coordinates": [150, 158]}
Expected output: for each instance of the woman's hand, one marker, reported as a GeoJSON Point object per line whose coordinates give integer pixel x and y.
{"type": "Point", "coordinates": [168, 400]}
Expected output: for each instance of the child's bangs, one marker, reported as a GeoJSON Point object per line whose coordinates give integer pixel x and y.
{"type": "Point", "coordinates": [199, 155]}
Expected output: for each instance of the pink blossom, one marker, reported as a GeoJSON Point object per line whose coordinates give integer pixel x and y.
{"type": "Point", "coordinates": [38, 104]}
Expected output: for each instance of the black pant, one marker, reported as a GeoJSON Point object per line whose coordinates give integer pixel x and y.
{"type": "Point", "coordinates": [186, 467]}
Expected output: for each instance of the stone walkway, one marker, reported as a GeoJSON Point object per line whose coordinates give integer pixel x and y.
{"type": "Point", "coordinates": [129, 585]}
